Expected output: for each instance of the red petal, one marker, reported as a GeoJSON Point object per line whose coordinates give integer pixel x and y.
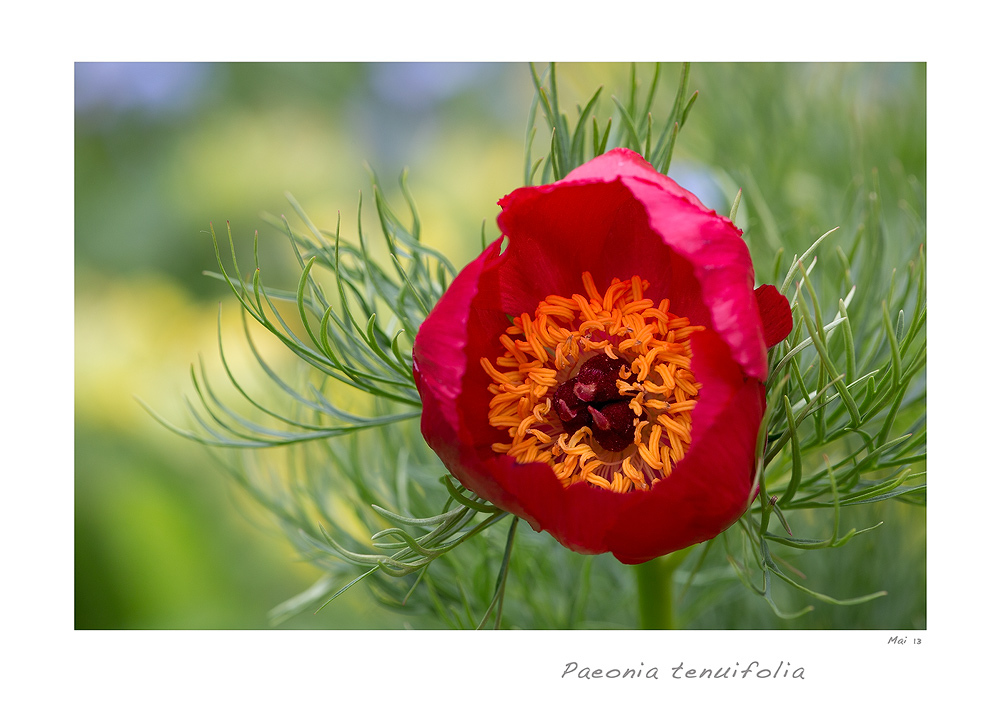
{"type": "Point", "coordinates": [451, 384]}
{"type": "Point", "coordinates": [775, 314]}
{"type": "Point", "coordinates": [617, 217]}
{"type": "Point", "coordinates": [625, 162]}
{"type": "Point", "coordinates": [707, 491]}
{"type": "Point", "coordinates": [720, 377]}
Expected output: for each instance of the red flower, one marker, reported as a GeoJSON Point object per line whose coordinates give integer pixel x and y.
{"type": "Point", "coordinates": [602, 376]}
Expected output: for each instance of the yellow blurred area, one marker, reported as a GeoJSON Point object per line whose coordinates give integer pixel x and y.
{"type": "Point", "coordinates": [136, 340]}
{"type": "Point", "coordinates": [240, 158]}
{"type": "Point", "coordinates": [162, 540]}
{"type": "Point", "coordinates": [138, 337]}
{"type": "Point", "coordinates": [452, 211]}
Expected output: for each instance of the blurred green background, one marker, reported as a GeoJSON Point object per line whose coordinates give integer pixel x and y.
{"type": "Point", "coordinates": [162, 538]}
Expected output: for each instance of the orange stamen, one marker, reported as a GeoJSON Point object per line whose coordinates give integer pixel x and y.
{"type": "Point", "coordinates": [541, 354]}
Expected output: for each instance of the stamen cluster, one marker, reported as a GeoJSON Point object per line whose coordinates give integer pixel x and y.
{"type": "Point", "coordinates": [599, 387]}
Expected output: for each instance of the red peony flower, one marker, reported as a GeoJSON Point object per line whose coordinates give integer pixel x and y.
{"type": "Point", "coordinates": [603, 376]}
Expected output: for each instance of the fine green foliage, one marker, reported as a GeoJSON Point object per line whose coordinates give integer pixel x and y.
{"type": "Point", "coordinates": [353, 337]}
{"type": "Point", "coordinates": [634, 130]}
{"type": "Point", "coordinates": [846, 420]}
{"type": "Point", "coordinates": [357, 332]}
{"type": "Point", "coordinates": [351, 481]}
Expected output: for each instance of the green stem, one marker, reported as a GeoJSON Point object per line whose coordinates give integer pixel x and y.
{"type": "Point", "coordinates": [655, 579]}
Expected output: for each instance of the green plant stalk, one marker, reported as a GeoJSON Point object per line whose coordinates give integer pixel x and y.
{"type": "Point", "coordinates": [655, 580]}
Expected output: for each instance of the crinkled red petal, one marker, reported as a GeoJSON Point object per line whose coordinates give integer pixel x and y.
{"type": "Point", "coordinates": [775, 314]}
{"type": "Point", "coordinates": [633, 221]}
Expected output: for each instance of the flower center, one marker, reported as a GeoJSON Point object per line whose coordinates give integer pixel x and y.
{"type": "Point", "coordinates": [591, 399]}
{"type": "Point", "coordinates": [599, 387]}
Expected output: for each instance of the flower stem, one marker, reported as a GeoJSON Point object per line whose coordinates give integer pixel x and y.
{"type": "Point", "coordinates": [655, 579]}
